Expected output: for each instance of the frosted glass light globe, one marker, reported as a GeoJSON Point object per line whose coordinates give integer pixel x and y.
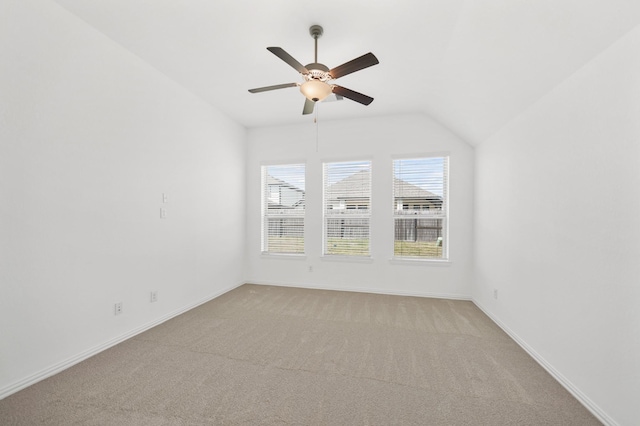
{"type": "Point", "coordinates": [315, 90]}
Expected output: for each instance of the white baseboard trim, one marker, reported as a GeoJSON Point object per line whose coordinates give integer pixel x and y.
{"type": "Point", "coordinates": [363, 290]}
{"type": "Point", "coordinates": [566, 383]}
{"type": "Point", "coordinates": [69, 362]}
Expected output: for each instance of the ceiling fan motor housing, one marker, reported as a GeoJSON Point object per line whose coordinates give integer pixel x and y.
{"type": "Point", "coordinates": [317, 67]}
{"type": "Point", "coordinates": [317, 72]}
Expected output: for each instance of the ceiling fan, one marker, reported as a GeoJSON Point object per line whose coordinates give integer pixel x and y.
{"type": "Point", "coordinates": [318, 78]}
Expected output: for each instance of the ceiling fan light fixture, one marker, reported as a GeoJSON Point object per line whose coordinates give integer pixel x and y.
{"type": "Point", "coordinates": [315, 90]}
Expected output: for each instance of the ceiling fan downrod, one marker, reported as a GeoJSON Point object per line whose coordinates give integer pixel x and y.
{"type": "Point", "coordinates": [316, 32]}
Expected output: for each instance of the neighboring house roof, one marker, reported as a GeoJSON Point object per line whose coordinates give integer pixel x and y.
{"type": "Point", "coordinates": [358, 184]}
{"type": "Point", "coordinates": [404, 189]}
{"type": "Point", "coordinates": [275, 181]}
{"type": "Point", "coordinates": [296, 205]}
{"type": "Point", "coordinates": [354, 186]}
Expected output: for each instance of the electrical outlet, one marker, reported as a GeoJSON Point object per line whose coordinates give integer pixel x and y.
{"type": "Point", "coordinates": [495, 293]}
{"type": "Point", "coordinates": [163, 213]}
{"type": "Point", "coordinates": [118, 308]}
{"type": "Point", "coordinates": [310, 268]}
{"type": "Point", "coordinates": [154, 296]}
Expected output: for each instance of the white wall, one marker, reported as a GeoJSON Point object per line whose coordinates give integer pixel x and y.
{"type": "Point", "coordinates": [376, 139]}
{"type": "Point", "coordinates": [91, 137]}
{"type": "Point", "coordinates": [557, 231]}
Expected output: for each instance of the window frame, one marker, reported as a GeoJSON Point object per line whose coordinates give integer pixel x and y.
{"type": "Point", "coordinates": [266, 192]}
{"type": "Point", "coordinates": [444, 216]}
{"type": "Point", "coordinates": [355, 209]}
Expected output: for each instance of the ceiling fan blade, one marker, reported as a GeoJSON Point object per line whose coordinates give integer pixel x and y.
{"type": "Point", "coordinates": [280, 53]}
{"type": "Point", "coordinates": [354, 96]}
{"type": "Point", "coordinates": [277, 86]}
{"type": "Point", "coordinates": [354, 65]}
{"type": "Point", "coordinates": [308, 106]}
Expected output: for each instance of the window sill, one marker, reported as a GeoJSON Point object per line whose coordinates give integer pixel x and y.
{"type": "Point", "coordinates": [338, 258]}
{"type": "Point", "coordinates": [281, 256]}
{"type": "Point", "coordinates": [419, 262]}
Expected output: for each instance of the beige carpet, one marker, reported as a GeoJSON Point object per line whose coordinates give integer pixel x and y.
{"type": "Point", "coordinates": [271, 355]}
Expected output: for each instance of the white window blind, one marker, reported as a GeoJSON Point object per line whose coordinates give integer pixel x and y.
{"type": "Point", "coordinates": [420, 207]}
{"type": "Point", "coordinates": [347, 208]}
{"type": "Point", "coordinates": [283, 208]}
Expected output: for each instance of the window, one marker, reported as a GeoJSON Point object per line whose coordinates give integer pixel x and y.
{"type": "Point", "coordinates": [420, 207]}
{"type": "Point", "coordinates": [347, 208]}
{"type": "Point", "coordinates": [283, 207]}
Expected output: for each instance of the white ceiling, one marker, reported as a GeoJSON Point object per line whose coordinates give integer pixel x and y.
{"type": "Point", "coordinates": [473, 65]}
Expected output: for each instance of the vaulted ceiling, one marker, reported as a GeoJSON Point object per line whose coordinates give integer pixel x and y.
{"type": "Point", "coordinates": [473, 65]}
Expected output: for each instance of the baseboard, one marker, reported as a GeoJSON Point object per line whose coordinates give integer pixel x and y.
{"type": "Point", "coordinates": [363, 290]}
{"type": "Point", "coordinates": [566, 383]}
{"type": "Point", "coordinates": [61, 366]}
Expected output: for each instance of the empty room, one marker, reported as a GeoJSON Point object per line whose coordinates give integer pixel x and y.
{"type": "Point", "coordinates": [324, 213]}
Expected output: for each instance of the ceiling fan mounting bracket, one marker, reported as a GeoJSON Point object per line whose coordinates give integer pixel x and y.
{"type": "Point", "coordinates": [316, 31]}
